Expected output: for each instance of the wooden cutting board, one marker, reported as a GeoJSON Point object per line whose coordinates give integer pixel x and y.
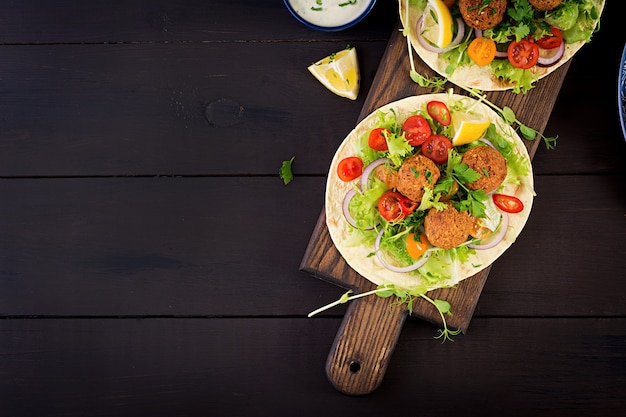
{"type": "Point", "coordinates": [371, 326]}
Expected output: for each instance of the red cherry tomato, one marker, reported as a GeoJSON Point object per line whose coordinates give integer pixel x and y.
{"type": "Point", "coordinates": [508, 203]}
{"type": "Point", "coordinates": [377, 140]}
{"type": "Point", "coordinates": [436, 148]}
{"type": "Point", "coordinates": [350, 168]}
{"type": "Point", "coordinates": [416, 129]}
{"type": "Point", "coordinates": [393, 206]}
{"type": "Point", "coordinates": [523, 54]}
{"type": "Point", "coordinates": [407, 206]}
{"type": "Point", "coordinates": [551, 41]}
{"type": "Point", "coordinates": [439, 111]}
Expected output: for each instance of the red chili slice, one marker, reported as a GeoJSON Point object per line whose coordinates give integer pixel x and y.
{"type": "Point", "coordinates": [508, 203]}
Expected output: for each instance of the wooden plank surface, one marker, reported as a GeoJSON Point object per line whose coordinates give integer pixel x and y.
{"type": "Point", "coordinates": [159, 246]}
{"type": "Point", "coordinates": [149, 21]}
{"type": "Point", "coordinates": [126, 289]}
{"type": "Point", "coordinates": [188, 367]}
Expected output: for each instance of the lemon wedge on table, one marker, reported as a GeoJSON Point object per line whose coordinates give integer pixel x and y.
{"type": "Point", "coordinates": [339, 72]}
{"type": "Point", "coordinates": [468, 128]}
{"type": "Point", "coordinates": [437, 23]}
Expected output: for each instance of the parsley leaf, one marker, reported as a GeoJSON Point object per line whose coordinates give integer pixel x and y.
{"type": "Point", "coordinates": [285, 171]}
{"type": "Point", "coordinates": [465, 174]}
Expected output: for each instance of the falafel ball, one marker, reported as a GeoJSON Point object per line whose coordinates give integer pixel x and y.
{"type": "Point", "coordinates": [415, 173]}
{"type": "Point", "coordinates": [545, 4]}
{"type": "Point", "coordinates": [489, 163]}
{"type": "Point", "coordinates": [447, 228]}
{"type": "Point", "coordinates": [481, 14]}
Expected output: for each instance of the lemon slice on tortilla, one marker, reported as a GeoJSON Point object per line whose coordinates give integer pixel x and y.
{"type": "Point", "coordinates": [339, 72]}
{"type": "Point", "coordinates": [468, 128]}
{"type": "Point", "coordinates": [437, 23]}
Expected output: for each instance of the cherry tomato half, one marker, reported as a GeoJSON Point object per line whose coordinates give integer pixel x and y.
{"type": "Point", "coordinates": [508, 203]}
{"type": "Point", "coordinates": [377, 140]}
{"type": "Point", "coordinates": [482, 51]}
{"type": "Point", "coordinates": [416, 129]}
{"type": "Point", "coordinates": [523, 54]}
{"type": "Point", "coordinates": [436, 148]}
{"type": "Point", "coordinates": [350, 168]}
{"type": "Point", "coordinates": [551, 41]}
{"type": "Point", "coordinates": [393, 206]}
{"type": "Point", "coordinates": [439, 111]}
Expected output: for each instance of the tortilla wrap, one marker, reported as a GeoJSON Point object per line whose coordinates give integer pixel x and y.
{"type": "Point", "coordinates": [357, 256]}
{"type": "Point", "coordinates": [474, 76]}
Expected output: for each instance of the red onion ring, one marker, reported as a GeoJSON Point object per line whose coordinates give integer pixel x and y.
{"type": "Point", "coordinates": [502, 54]}
{"type": "Point", "coordinates": [455, 42]}
{"type": "Point", "coordinates": [504, 224]}
{"type": "Point", "coordinates": [365, 176]}
{"type": "Point", "coordinates": [487, 142]}
{"type": "Point", "coordinates": [420, 262]}
{"type": "Point", "coordinates": [548, 62]}
{"type": "Point", "coordinates": [346, 207]}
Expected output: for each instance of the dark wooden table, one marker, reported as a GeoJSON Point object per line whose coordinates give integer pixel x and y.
{"type": "Point", "coordinates": [150, 254]}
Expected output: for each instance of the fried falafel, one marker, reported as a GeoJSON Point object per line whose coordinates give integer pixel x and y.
{"type": "Point", "coordinates": [481, 14]}
{"type": "Point", "coordinates": [545, 5]}
{"type": "Point", "coordinates": [416, 172]}
{"type": "Point", "coordinates": [447, 228]}
{"type": "Point", "coordinates": [489, 163]}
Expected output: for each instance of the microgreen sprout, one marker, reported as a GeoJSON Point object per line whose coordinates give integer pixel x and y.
{"type": "Point", "coordinates": [436, 83]}
{"type": "Point", "coordinates": [404, 297]}
{"type": "Point", "coordinates": [508, 115]}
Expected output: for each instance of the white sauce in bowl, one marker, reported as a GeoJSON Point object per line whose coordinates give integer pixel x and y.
{"type": "Point", "coordinates": [329, 13]}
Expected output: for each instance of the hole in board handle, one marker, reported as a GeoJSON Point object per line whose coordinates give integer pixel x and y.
{"type": "Point", "coordinates": [355, 367]}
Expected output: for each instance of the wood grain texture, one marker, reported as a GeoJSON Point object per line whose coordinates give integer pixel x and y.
{"type": "Point", "coordinates": [127, 287]}
{"type": "Point", "coordinates": [364, 345]}
{"type": "Point", "coordinates": [189, 367]}
{"type": "Point", "coordinates": [147, 21]}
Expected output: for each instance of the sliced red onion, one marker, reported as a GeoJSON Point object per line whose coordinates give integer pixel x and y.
{"type": "Point", "coordinates": [487, 142]}
{"type": "Point", "coordinates": [554, 58]}
{"type": "Point", "coordinates": [365, 176]}
{"type": "Point", "coordinates": [502, 54]}
{"type": "Point", "coordinates": [427, 45]}
{"type": "Point", "coordinates": [420, 262]}
{"type": "Point", "coordinates": [346, 207]}
{"type": "Point", "coordinates": [504, 225]}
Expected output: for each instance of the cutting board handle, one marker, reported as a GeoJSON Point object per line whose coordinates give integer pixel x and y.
{"type": "Point", "coordinates": [364, 344]}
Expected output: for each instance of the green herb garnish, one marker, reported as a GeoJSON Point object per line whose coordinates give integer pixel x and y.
{"type": "Point", "coordinates": [285, 171]}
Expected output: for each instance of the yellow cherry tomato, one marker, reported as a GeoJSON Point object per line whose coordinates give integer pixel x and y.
{"type": "Point", "coordinates": [482, 51]}
{"type": "Point", "coordinates": [416, 247]}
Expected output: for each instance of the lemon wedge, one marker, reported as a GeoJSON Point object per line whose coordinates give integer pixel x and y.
{"type": "Point", "coordinates": [437, 23]}
{"type": "Point", "coordinates": [468, 128]}
{"type": "Point", "coordinates": [339, 72]}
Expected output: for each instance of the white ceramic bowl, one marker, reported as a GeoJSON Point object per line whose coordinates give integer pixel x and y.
{"type": "Point", "coordinates": [329, 15]}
